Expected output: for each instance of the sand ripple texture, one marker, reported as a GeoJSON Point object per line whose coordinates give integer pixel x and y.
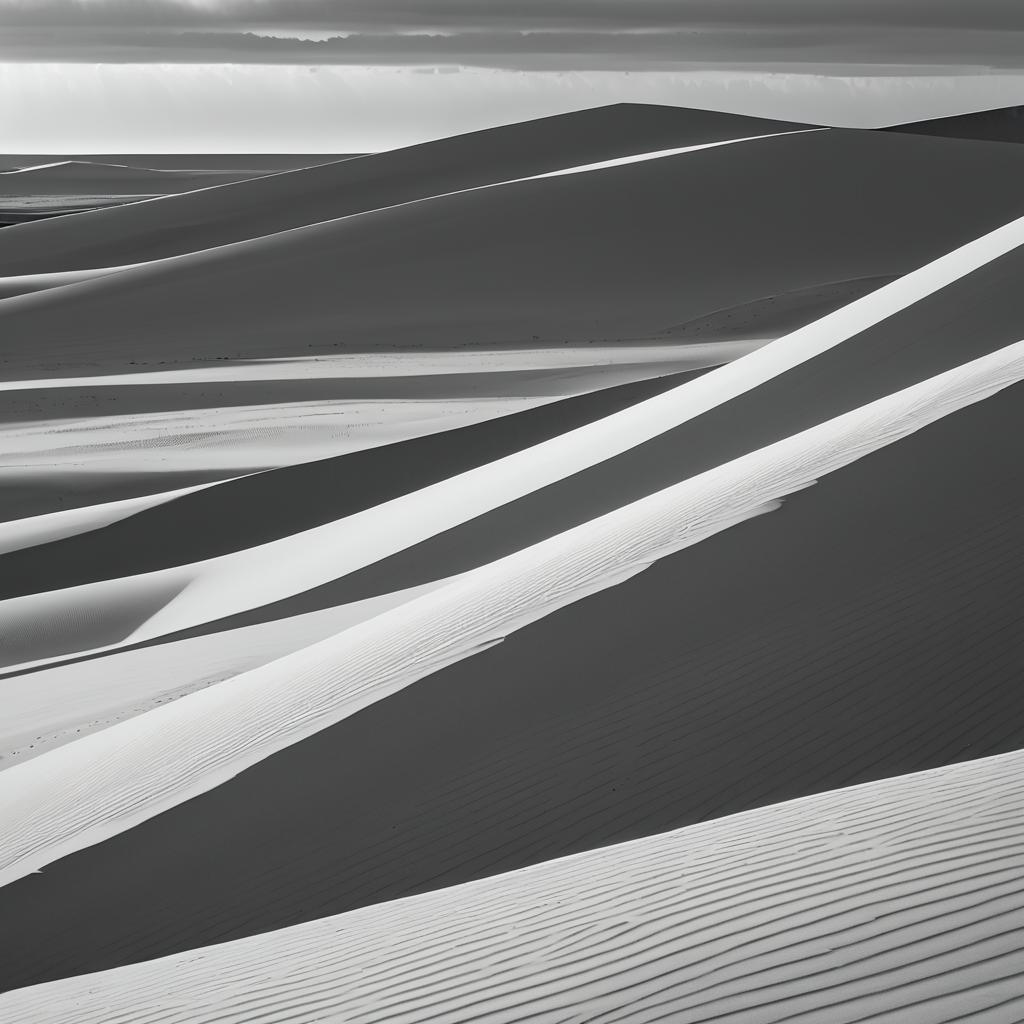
{"type": "Point", "coordinates": [86, 791]}
{"type": "Point", "coordinates": [899, 901]}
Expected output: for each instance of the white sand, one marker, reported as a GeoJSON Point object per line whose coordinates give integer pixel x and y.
{"type": "Point", "coordinates": [209, 590]}
{"type": "Point", "coordinates": [88, 790]}
{"type": "Point", "coordinates": [45, 709]}
{"type": "Point", "coordinates": [898, 902]}
{"type": "Point", "coordinates": [688, 356]}
{"type": "Point", "coordinates": [236, 439]}
{"type": "Point", "coordinates": [17, 534]}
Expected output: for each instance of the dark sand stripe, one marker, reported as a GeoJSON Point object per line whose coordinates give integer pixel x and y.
{"type": "Point", "coordinates": [337, 189]}
{"type": "Point", "coordinates": [219, 520]}
{"type": "Point", "coordinates": [33, 404]}
{"type": "Point", "coordinates": [551, 261]}
{"type": "Point", "coordinates": [870, 627]}
{"type": "Point", "coordinates": [976, 315]}
{"type": "Point", "coordinates": [27, 494]}
{"type": "Point", "coordinates": [1003, 125]}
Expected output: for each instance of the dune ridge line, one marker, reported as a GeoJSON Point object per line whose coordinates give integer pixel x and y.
{"type": "Point", "coordinates": [81, 793]}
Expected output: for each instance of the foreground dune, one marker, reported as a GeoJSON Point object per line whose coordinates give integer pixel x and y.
{"type": "Point", "coordinates": [45, 709]}
{"type": "Point", "coordinates": [78, 794]}
{"type": "Point", "coordinates": [845, 637]}
{"type": "Point", "coordinates": [896, 901]}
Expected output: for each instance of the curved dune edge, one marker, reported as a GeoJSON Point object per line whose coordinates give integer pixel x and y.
{"type": "Point", "coordinates": [26, 284]}
{"type": "Point", "coordinates": [43, 710]}
{"type": "Point", "coordinates": [219, 587]}
{"type": "Point", "coordinates": [692, 355]}
{"type": "Point", "coordinates": [88, 790]}
{"type": "Point", "coordinates": [287, 196]}
{"type": "Point", "coordinates": [895, 900]}
{"type": "Point", "coordinates": [17, 534]}
{"type": "Point", "coordinates": [235, 439]}
{"type": "Point", "coordinates": [23, 284]}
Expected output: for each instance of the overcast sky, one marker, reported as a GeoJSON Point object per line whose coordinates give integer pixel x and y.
{"type": "Point", "coordinates": [347, 75]}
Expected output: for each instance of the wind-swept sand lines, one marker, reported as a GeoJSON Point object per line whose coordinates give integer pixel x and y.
{"type": "Point", "coordinates": [18, 534]}
{"type": "Point", "coordinates": [211, 217]}
{"type": "Point", "coordinates": [96, 787]}
{"type": "Point", "coordinates": [899, 900]}
{"type": "Point", "coordinates": [597, 270]}
{"type": "Point", "coordinates": [44, 709]}
{"type": "Point", "coordinates": [846, 639]}
{"type": "Point", "coordinates": [221, 587]}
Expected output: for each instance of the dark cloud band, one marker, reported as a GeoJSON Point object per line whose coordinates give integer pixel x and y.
{"type": "Point", "coordinates": [522, 33]}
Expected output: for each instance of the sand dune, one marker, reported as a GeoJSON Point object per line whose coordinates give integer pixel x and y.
{"type": "Point", "coordinates": [301, 497]}
{"type": "Point", "coordinates": [82, 177]}
{"type": "Point", "coordinates": [240, 163]}
{"type": "Point", "coordinates": [100, 785]}
{"type": "Point", "coordinates": [605, 272]}
{"type": "Point", "coordinates": [923, 324]}
{"type": "Point", "coordinates": [23, 284]}
{"type": "Point", "coordinates": [225, 585]}
{"type": "Point", "coordinates": [826, 644]}
{"type": "Point", "coordinates": [900, 900]}
{"type": "Point", "coordinates": [242, 211]}
{"type": "Point", "coordinates": [45, 709]}
{"type": "Point", "coordinates": [460, 583]}
{"type": "Point", "coordinates": [18, 534]}
{"type": "Point", "coordinates": [237, 438]}
{"type": "Point", "coordinates": [38, 190]}
{"type": "Point", "coordinates": [214, 391]}
{"type": "Point", "coordinates": [1005, 125]}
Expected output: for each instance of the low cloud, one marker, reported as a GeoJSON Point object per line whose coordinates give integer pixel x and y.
{"type": "Point", "coordinates": [528, 34]}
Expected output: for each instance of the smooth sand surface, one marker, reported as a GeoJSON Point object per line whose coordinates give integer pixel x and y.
{"type": "Point", "coordinates": [91, 177]}
{"type": "Point", "coordinates": [300, 497]}
{"type": "Point", "coordinates": [128, 773]}
{"type": "Point", "coordinates": [45, 709]}
{"type": "Point", "coordinates": [605, 270]}
{"type": "Point", "coordinates": [462, 583]}
{"type": "Point", "coordinates": [288, 200]}
{"type": "Point", "coordinates": [896, 901]}
{"type": "Point", "coordinates": [239, 438]}
{"type": "Point", "coordinates": [1004, 125]}
{"type": "Point", "coordinates": [446, 527]}
{"type": "Point", "coordinates": [975, 309]}
{"type": "Point", "coordinates": [263, 163]}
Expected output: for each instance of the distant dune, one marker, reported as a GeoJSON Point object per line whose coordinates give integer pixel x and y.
{"type": "Point", "coordinates": [336, 190]}
{"type": "Point", "coordinates": [77, 177]}
{"type": "Point", "coordinates": [33, 189]}
{"type": "Point", "coordinates": [1005, 125]}
{"type": "Point", "coordinates": [598, 269]}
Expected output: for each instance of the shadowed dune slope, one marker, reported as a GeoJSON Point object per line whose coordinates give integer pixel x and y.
{"type": "Point", "coordinates": [238, 163]}
{"type": "Point", "coordinates": [896, 901]}
{"type": "Point", "coordinates": [35, 493]}
{"type": "Point", "coordinates": [248, 210]}
{"type": "Point", "coordinates": [977, 314]}
{"type": "Point", "coordinates": [1003, 125]}
{"type": "Point", "coordinates": [545, 261]}
{"type": "Point", "coordinates": [90, 178]}
{"type": "Point", "coordinates": [300, 497]}
{"type": "Point", "coordinates": [870, 627]}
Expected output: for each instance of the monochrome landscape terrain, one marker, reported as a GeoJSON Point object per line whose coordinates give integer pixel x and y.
{"type": "Point", "coordinates": [564, 572]}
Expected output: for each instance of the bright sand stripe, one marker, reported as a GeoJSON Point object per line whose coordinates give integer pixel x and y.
{"type": "Point", "coordinates": [86, 791]}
